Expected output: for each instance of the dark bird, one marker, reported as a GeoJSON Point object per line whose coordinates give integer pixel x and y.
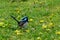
{"type": "Point", "coordinates": [23, 22]}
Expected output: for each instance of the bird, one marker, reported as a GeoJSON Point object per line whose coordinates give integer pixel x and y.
{"type": "Point", "coordinates": [22, 23]}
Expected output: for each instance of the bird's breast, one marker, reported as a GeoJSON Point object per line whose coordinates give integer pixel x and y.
{"type": "Point", "coordinates": [25, 24]}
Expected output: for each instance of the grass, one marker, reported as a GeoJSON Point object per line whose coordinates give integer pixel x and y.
{"type": "Point", "coordinates": [43, 16]}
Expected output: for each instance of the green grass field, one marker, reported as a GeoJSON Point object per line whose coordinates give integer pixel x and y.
{"type": "Point", "coordinates": [43, 16]}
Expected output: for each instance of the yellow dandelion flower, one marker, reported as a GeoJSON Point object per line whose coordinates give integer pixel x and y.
{"type": "Point", "coordinates": [50, 25]}
{"type": "Point", "coordinates": [44, 26]}
{"type": "Point", "coordinates": [41, 20]}
{"type": "Point", "coordinates": [18, 11]}
{"type": "Point", "coordinates": [18, 32]}
{"type": "Point", "coordinates": [48, 29]}
{"type": "Point", "coordinates": [39, 38]}
{"type": "Point", "coordinates": [1, 23]}
{"type": "Point", "coordinates": [31, 20]}
{"type": "Point", "coordinates": [27, 31]}
{"type": "Point", "coordinates": [58, 32]}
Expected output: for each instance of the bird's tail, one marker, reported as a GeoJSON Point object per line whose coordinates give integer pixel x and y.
{"type": "Point", "coordinates": [14, 18]}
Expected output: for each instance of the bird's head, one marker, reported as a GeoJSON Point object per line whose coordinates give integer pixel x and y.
{"type": "Point", "coordinates": [25, 19]}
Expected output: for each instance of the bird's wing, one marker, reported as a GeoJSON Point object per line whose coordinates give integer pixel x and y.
{"type": "Point", "coordinates": [21, 23]}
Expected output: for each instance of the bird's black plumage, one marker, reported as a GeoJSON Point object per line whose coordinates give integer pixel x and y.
{"type": "Point", "coordinates": [22, 22]}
